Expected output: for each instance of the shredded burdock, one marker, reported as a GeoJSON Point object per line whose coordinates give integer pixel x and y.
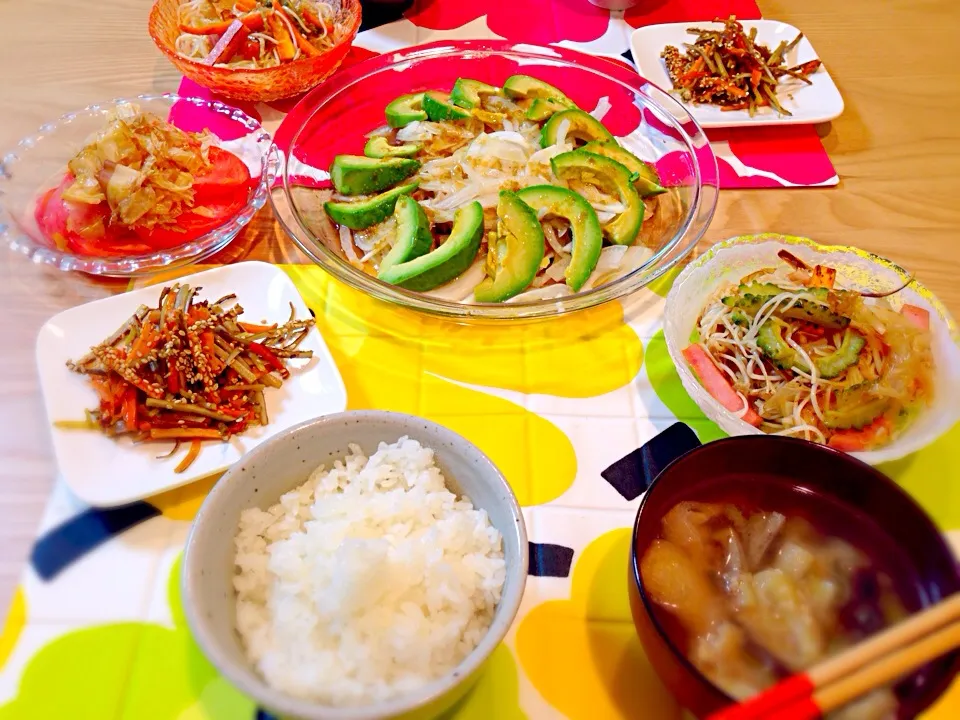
{"type": "Point", "coordinates": [188, 370]}
{"type": "Point", "coordinates": [730, 69]}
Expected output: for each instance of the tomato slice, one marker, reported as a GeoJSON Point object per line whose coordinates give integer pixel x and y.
{"type": "Point", "coordinates": [717, 385]}
{"type": "Point", "coordinates": [223, 191]}
{"type": "Point", "coordinates": [191, 225]}
{"type": "Point", "coordinates": [227, 174]}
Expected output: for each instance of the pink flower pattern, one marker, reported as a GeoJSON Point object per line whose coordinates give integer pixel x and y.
{"type": "Point", "coordinates": [533, 21]}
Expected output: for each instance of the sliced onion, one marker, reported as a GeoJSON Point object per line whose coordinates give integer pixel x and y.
{"type": "Point", "coordinates": [558, 268]}
{"type": "Point", "coordinates": [550, 233]}
{"type": "Point", "coordinates": [603, 107]}
{"type": "Point", "coordinates": [461, 288]}
{"type": "Point", "coordinates": [543, 156]}
{"type": "Point", "coordinates": [346, 244]}
{"type": "Point", "coordinates": [383, 130]}
{"type": "Point", "coordinates": [550, 292]}
{"type": "Point", "coordinates": [562, 128]}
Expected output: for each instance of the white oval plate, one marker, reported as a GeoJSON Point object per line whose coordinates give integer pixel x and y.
{"type": "Point", "coordinates": [725, 263]}
{"type": "Point", "coordinates": [103, 471]}
{"type": "Point", "coordinates": [814, 103]}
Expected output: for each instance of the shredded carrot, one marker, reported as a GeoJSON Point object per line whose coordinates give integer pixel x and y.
{"type": "Point", "coordinates": [305, 45]}
{"type": "Point", "coordinates": [188, 459]}
{"type": "Point", "coordinates": [312, 18]}
{"type": "Point", "coordinates": [281, 33]}
{"type": "Point", "coordinates": [253, 22]}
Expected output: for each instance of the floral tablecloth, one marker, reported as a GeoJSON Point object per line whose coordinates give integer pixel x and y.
{"type": "Point", "coordinates": [101, 636]}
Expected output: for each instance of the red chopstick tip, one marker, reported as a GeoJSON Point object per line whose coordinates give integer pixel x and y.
{"type": "Point", "coordinates": [789, 692]}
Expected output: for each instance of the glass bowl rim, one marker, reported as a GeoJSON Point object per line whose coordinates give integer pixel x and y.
{"type": "Point", "coordinates": [133, 265]}
{"type": "Point", "coordinates": [672, 112]}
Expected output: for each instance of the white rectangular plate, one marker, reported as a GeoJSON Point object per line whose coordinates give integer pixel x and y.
{"type": "Point", "coordinates": [814, 103]}
{"type": "Point", "coordinates": [103, 471]}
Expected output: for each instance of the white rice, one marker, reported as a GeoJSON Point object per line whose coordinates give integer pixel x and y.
{"type": "Point", "coordinates": [368, 581]}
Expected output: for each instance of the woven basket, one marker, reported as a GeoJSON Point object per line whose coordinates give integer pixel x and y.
{"type": "Point", "coordinates": [262, 84]}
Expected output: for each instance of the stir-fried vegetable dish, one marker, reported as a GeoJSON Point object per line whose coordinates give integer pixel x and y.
{"type": "Point", "coordinates": [256, 33]}
{"type": "Point", "coordinates": [141, 185]}
{"type": "Point", "coordinates": [729, 68]}
{"type": "Point", "coordinates": [188, 370]}
{"type": "Point", "coordinates": [490, 194]}
{"type": "Point", "coordinates": [792, 354]}
{"type": "Point", "coordinates": [754, 596]}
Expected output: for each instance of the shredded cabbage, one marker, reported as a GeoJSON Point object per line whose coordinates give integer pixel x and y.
{"type": "Point", "coordinates": [141, 166]}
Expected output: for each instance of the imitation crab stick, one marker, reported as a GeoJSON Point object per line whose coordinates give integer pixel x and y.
{"type": "Point", "coordinates": [916, 315]}
{"type": "Point", "coordinates": [857, 440]}
{"type": "Point", "coordinates": [716, 384]}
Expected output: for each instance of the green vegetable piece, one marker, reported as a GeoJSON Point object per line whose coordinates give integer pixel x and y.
{"type": "Point", "coordinates": [584, 226]}
{"type": "Point", "coordinates": [467, 93]}
{"type": "Point", "coordinates": [613, 177]}
{"type": "Point", "coordinates": [445, 262]}
{"type": "Point", "coordinates": [380, 147]}
{"type": "Point", "coordinates": [751, 297]}
{"type": "Point", "coordinates": [364, 213]}
{"type": "Point", "coordinates": [581, 126]}
{"type": "Point", "coordinates": [856, 407]}
{"type": "Point", "coordinates": [413, 234]}
{"type": "Point", "coordinates": [526, 87]}
{"type": "Point", "coordinates": [740, 318]}
{"type": "Point", "coordinates": [438, 107]}
{"type": "Point", "coordinates": [405, 110]}
{"type": "Point", "coordinates": [780, 353]}
{"type": "Point", "coordinates": [542, 108]}
{"type": "Point", "coordinates": [514, 255]}
{"type": "Point", "coordinates": [359, 175]}
{"type": "Point", "coordinates": [830, 366]}
{"type": "Point", "coordinates": [645, 177]}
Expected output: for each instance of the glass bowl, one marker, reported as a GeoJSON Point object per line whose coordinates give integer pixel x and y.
{"type": "Point", "coordinates": [727, 262]}
{"type": "Point", "coordinates": [253, 85]}
{"type": "Point", "coordinates": [38, 163]}
{"type": "Point", "coordinates": [335, 117]}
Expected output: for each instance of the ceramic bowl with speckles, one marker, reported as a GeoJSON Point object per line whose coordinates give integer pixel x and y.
{"type": "Point", "coordinates": [282, 463]}
{"type": "Point", "coordinates": [726, 263]}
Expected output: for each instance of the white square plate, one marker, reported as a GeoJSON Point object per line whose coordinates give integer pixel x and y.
{"type": "Point", "coordinates": [103, 471]}
{"type": "Point", "coordinates": [814, 103]}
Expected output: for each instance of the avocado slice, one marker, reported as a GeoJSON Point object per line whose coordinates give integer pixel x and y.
{"type": "Point", "coordinates": [527, 87]}
{"type": "Point", "coordinates": [584, 226]}
{"type": "Point", "coordinates": [413, 234]}
{"type": "Point", "coordinates": [363, 214]}
{"type": "Point", "coordinates": [445, 262]}
{"type": "Point", "coordinates": [856, 407]}
{"type": "Point", "coordinates": [542, 108]}
{"type": "Point", "coordinates": [773, 346]}
{"type": "Point", "coordinates": [438, 107]}
{"type": "Point", "coordinates": [514, 255]}
{"type": "Point", "coordinates": [645, 177]}
{"type": "Point", "coordinates": [405, 110]}
{"type": "Point", "coordinates": [380, 147]}
{"type": "Point", "coordinates": [751, 297]}
{"type": "Point", "coordinates": [359, 175]}
{"type": "Point", "coordinates": [611, 175]}
{"type": "Point", "coordinates": [467, 93]}
{"type": "Point", "coordinates": [582, 126]}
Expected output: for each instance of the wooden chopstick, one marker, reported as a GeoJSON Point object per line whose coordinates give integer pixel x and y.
{"type": "Point", "coordinates": [872, 663]}
{"type": "Point", "coordinates": [887, 669]}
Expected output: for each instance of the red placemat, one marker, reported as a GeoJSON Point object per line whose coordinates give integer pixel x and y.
{"type": "Point", "coordinates": [752, 157]}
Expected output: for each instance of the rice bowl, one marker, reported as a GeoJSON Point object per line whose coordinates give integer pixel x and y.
{"type": "Point", "coordinates": [274, 468]}
{"type": "Point", "coordinates": [367, 581]}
